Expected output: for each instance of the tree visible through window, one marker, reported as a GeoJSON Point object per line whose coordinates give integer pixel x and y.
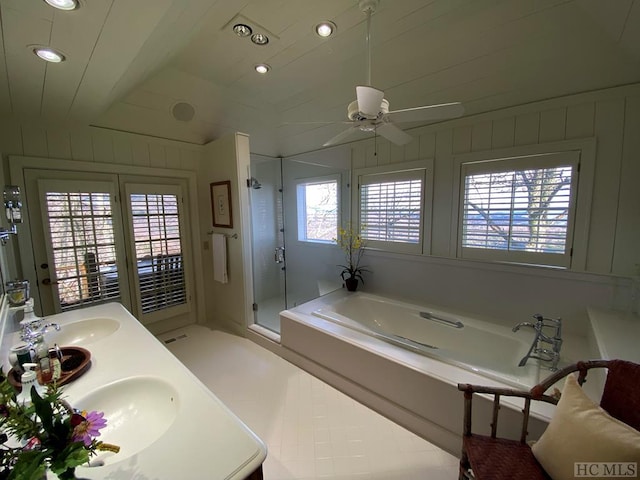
{"type": "Point", "coordinates": [83, 247]}
{"type": "Point", "coordinates": [525, 210]}
{"type": "Point", "coordinates": [318, 211]}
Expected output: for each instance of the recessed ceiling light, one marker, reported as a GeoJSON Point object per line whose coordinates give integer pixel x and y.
{"type": "Point", "coordinates": [63, 4]}
{"type": "Point", "coordinates": [262, 68]}
{"type": "Point", "coordinates": [326, 28]}
{"type": "Point", "coordinates": [242, 30]}
{"type": "Point", "coordinates": [259, 39]}
{"type": "Point", "coordinates": [49, 54]}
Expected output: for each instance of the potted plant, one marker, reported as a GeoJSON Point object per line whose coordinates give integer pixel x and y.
{"type": "Point", "coordinates": [353, 246]}
{"type": "Point", "coordinates": [45, 434]}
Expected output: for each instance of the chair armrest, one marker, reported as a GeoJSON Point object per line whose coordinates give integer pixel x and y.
{"type": "Point", "coordinates": [536, 393]}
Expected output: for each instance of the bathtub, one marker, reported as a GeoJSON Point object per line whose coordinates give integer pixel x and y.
{"type": "Point", "coordinates": [405, 362]}
{"type": "Point", "coordinates": [491, 350]}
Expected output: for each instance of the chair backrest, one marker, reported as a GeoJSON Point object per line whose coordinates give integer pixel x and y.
{"type": "Point", "coordinates": [621, 394]}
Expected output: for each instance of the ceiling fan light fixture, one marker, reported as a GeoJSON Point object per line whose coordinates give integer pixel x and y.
{"type": "Point", "coordinates": [259, 39]}
{"type": "Point", "coordinates": [63, 4]}
{"type": "Point", "coordinates": [325, 29]}
{"type": "Point", "coordinates": [49, 54]}
{"type": "Point", "coordinates": [242, 30]}
{"type": "Point", "coordinates": [262, 68]}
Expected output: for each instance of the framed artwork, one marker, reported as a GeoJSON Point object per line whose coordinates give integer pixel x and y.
{"type": "Point", "coordinates": [221, 204]}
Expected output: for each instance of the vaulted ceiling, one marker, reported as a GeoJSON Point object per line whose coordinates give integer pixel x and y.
{"type": "Point", "coordinates": [129, 62]}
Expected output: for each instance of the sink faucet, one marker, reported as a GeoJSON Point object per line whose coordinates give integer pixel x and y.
{"type": "Point", "coordinates": [32, 329]}
{"type": "Point", "coordinates": [537, 350]}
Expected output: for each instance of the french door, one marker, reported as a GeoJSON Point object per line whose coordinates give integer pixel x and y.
{"type": "Point", "coordinates": [109, 239]}
{"type": "Point", "coordinates": [155, 214]}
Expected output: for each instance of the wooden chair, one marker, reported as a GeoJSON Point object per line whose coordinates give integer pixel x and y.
{"type": "Point", "coordinates": [490, 457]}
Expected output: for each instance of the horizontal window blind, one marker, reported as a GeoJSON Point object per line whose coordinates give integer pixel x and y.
{"type": "Point", "coordinates": [158, 250]}
{"type": "Point", "coordinates": [83, 244]}
{"type": "Point", "coordinates": [518, 210]}
{"type": "Point", "coordinates": [391, 209]}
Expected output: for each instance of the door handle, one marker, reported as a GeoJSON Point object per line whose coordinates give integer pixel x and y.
{"type": "Point", "coordinates": [47, 281]}
{"type": "Point", "coordinates": [279, 255]}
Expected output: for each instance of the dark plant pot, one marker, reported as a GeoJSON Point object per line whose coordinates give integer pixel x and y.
{"type": "Point", "coordinates": [351, 283]}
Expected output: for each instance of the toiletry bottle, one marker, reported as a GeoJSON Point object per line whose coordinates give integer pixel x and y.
{"type": "Point", "coordinates": [41, 350]}
{"type": "Point", "coordinates": [54, 363]}
{"type": "Point", "coordinates": [28, 380]}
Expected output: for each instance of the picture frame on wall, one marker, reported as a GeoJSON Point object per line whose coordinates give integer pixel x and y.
{"type": "Point", "coordinates": [221, 204]}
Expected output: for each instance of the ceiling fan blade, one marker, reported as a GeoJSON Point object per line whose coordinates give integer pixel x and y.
{"type": "Point", "coordinates": [341, 136]}
{"type": "Point", "coordinates": [393, 133]}
{"type": "Point", "coordinates": [369, 100]}
{"type": "Point", "coordinates": [428, 112]}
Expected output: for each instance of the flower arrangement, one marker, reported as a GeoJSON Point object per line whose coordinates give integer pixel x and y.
{"type": "Point", "coordinates": [45, 434]}
{"type": "Point", "coordinates": [353, 246]}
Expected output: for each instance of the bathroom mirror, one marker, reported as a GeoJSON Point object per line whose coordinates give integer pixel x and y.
{"type": "Point", "coordinates": [13, 204]}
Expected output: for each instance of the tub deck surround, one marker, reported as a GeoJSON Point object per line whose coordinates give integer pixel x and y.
{"type": "Point", "coordinates": [615, 334]}
{"type": "Point", "coordinates": [415, 390]}
{"type": "Point", "coordinates": [204, 440]}
{"type": "Point", "coordinates": [458, 340]}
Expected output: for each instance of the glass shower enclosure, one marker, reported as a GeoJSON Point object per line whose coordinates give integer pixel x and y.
{"type": "Point", "coordinates": [293, 262]}
{"type": "Point", "coordinates": [267, 242]}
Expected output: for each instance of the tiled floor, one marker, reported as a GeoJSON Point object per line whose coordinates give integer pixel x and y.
{"type": "Point", "coordinates": [312, 430]}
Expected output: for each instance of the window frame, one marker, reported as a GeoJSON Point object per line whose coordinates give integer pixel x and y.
{"type": "Point", "coordinates": [301, 213]}
{"type": "Point", "coordinates": [132, 188]}
{"type": "Point", "coordinates": [422, 168]}
{"type": "Point", "coordinates": [74, 185]}
{"type": "Point", "coordinates": [584, 148]}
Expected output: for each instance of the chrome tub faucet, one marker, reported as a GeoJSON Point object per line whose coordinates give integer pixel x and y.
{"type": "Point", "coordinates": [554, 340]}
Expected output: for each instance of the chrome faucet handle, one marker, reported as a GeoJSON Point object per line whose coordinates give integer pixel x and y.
{"type": "Point", "coordinates": [45, 328]}
{"type": "Point", "coordinates": [557, 324]}
{"type": "Point", "coordinates": [538, 317]}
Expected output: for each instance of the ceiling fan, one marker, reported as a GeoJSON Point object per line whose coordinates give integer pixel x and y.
{"type": "Point", "coordinates": [370, 111]}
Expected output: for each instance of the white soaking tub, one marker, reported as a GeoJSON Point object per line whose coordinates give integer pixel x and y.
{"type": "Point", "coordinates": [489, 349]}
{"type": "Point", "coordinates": [406, 365]}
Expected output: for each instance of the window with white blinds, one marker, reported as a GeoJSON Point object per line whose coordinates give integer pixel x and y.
{"type": "Point", "coordinates": [158, 249]}
{"type": "Point", "coordinates": [391, 207]}
{"type": "Point", "coordinates": [519, 209]}
{"type": "Point", "coordinates": [83, 246]}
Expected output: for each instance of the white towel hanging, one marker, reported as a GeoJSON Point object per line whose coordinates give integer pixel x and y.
{"type": "Point", "coordinates": [219, 242]}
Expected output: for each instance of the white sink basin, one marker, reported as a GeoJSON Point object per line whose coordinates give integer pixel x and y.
{"type": "Point", "coordinates": [82, 332]}
{"type": "Point", "coordinates": [138, 411]}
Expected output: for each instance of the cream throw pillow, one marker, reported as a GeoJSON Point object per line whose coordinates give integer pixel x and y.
{"type": "Point", "coordinates": [581, 431]}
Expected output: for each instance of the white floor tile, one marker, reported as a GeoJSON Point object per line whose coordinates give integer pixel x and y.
{"type": "Point", "coordinates": [312, 430]}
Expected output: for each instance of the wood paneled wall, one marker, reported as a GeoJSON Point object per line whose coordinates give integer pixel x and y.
{"type": "Point", "coordinates": [91, 144]}
{"type": "Point", "coordinates": [610, 116]}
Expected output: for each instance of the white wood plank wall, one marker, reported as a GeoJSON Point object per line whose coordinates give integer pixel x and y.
{"type": "Point", "coordinates": [90, 144]}
{"type": "Point", "coordinates": [610, 116]}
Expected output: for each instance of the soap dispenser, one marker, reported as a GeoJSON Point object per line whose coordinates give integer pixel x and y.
{"type": "Point", "coordinates": [29, 313]}
{"type": "Point", "coordinates": [28, 379]}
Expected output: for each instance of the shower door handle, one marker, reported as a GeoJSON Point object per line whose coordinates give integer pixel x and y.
{"type": "Point", "coordinates": [279, 255]}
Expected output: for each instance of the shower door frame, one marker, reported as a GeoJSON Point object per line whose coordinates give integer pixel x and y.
{"type": "Point", "coordinates": [253, 183]}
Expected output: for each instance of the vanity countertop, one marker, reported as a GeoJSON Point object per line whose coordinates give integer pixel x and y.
{"type": "Point", "coordinates": [203, 440]}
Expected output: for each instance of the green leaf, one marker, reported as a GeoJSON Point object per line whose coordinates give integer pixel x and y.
{"type": "Point", "coordinates": [30, 466]}
{"type": "Point", "coordinates": [44, 410]}
{"type": "Point", "coordinates": [72, 456]}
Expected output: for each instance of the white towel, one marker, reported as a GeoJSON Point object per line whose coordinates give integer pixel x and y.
{"type": "Point", "coordinates": [219, 242]}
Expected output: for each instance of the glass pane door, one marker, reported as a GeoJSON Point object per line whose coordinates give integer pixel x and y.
{"type": "Point", "coordinates": [158, 274]}
{"type": "Point", "coordinates": [267, 224]}
{"type": "Point", "coordinates": [82, 242]}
